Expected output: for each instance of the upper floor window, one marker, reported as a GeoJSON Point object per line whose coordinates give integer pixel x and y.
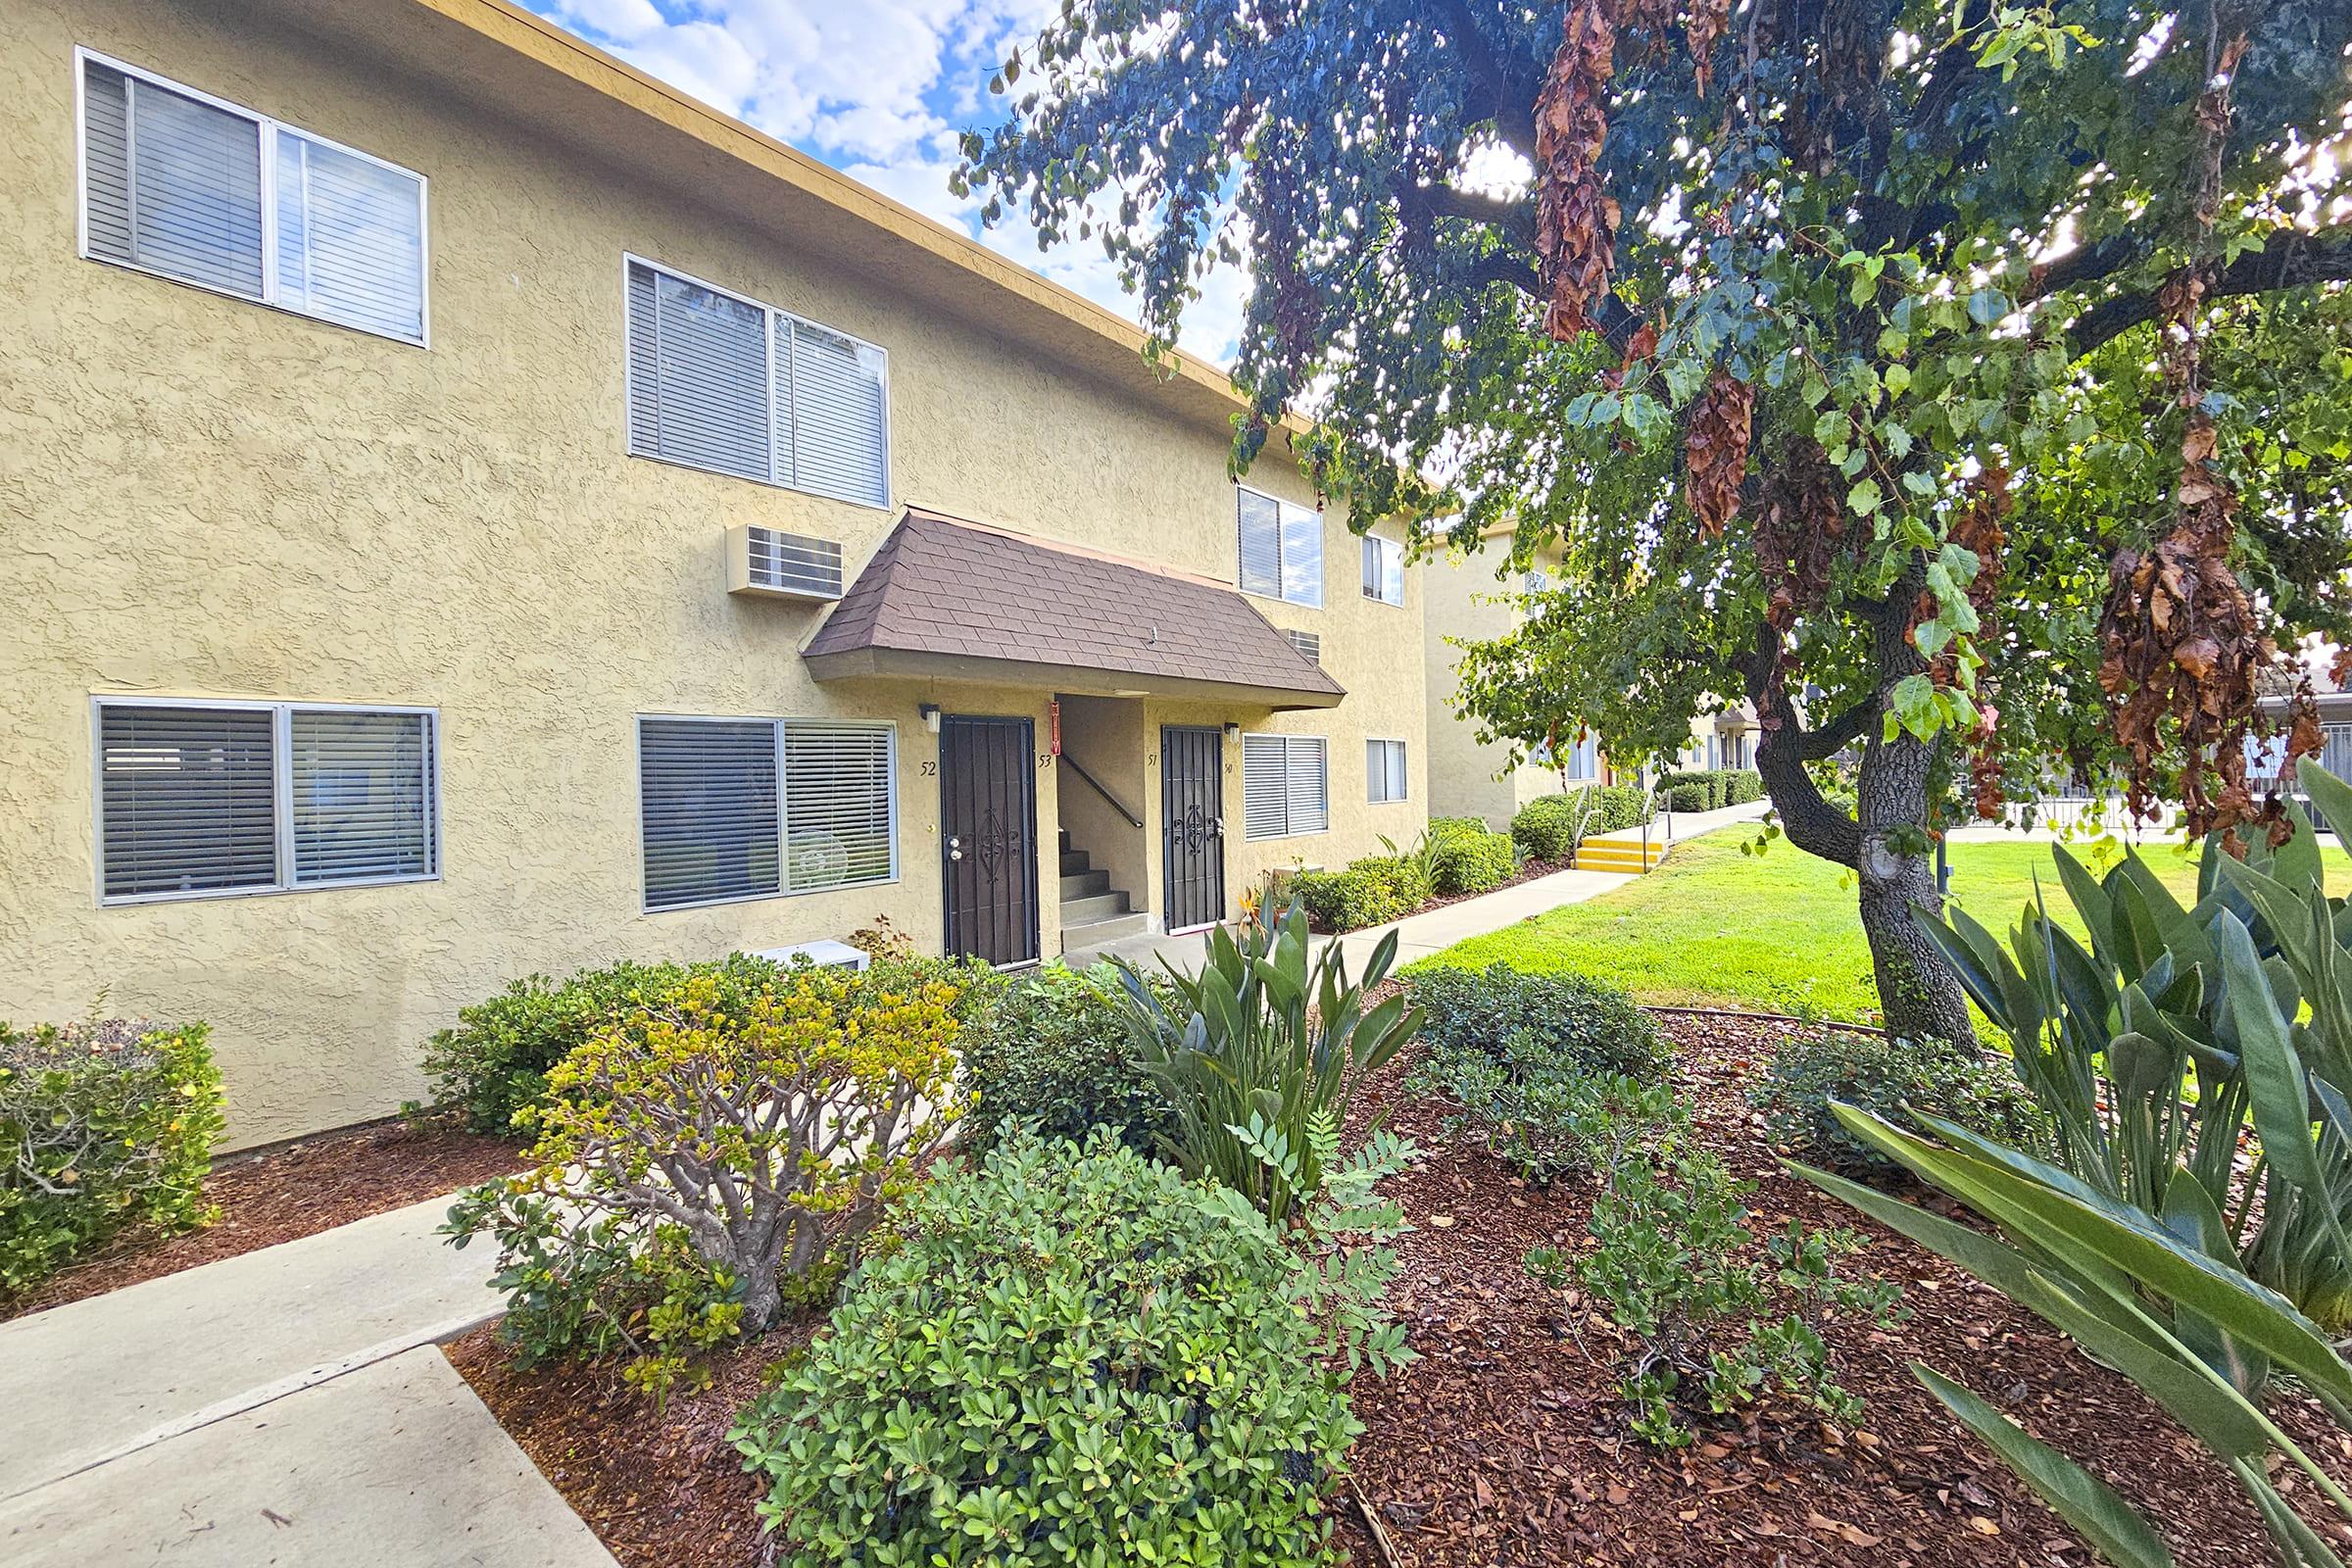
{"type": "Point", "coordinates": [183, 186]}
{"type": "Point", "coordinates": [1582, 761]}
{"type": "Point", "coordinates": [208, 797]}
{"type": "Point", "coordinates": [1384, 569]}
{"type": "Point", "coordinates": [1383, 771]}
{"type": "Point", "coordinates": [1282, 548]}
{"type": "Point", "coordinates": [722, 382]}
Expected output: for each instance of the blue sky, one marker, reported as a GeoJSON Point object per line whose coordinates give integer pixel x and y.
{"type": "Point", "coordinates": [877, 88]}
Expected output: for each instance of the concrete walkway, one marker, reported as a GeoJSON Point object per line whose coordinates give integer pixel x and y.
{"type": "Point", "coordinates": [1434, 930]}
{"type": "Point", "coordinates": [287, 1405]}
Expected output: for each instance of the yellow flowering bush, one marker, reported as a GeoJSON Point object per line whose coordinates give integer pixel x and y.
{"type": "Point", "coordinates": [716, 1149]}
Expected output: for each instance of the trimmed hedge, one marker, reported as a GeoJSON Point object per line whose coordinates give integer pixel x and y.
{"type": "Point", "coordinates": [1595, 1025]}
{"type": "Point", "coordinates": [1468, 858]}
{"type": "Point", "coordinates": [1705, 790]}
{"type": "Point", "coordinates": [1372, 891]}
{"type": "Point", "coordinates": [1622, 805]}
{"type": "Point", "coordinates": [105, 1124]}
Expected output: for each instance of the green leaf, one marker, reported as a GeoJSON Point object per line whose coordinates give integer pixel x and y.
{"type": "Point", "coordinates": [2108, 1523]}
{"type": "Point", "coordinates": [1864, 497]}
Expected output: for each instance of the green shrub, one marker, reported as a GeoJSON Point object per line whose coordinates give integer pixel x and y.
{"type": "Point", "coordinates": [716, 1149]}
{"type": "Point", "coordinates": [495, 1062]}
{"type": "Point", "coordinates": [1594, 1026]}
{"type": "Point", "coordinates": [1622, 806]}
{"type": "Point", "coordinates": [1549, 827]}
{"type": "Point", "coordinates": [1534, 1108]}
{"type": "Point", "coordinates": [1886, 1077]}
{"type": "Point", "coordinates": [1259, 1046]}
{"type": "Point", "coordinates": [1737, 786]}
{"type": "Point", "coordinates": [104, 1124]}
{"type": "Point", "coordinates": [1469, 858]}
{"type": "Point", "coordinates": [1688, 796]}
{"type": "Point", "coordinates": [1055, 1056]}
{"type": "Point", "coordinates": [1372, 891]}
{"type": "Point", "coordinates": [1072, 1355]}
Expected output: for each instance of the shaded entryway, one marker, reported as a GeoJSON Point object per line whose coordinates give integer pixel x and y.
{"type": "Point", "coordinates": [988, 837]}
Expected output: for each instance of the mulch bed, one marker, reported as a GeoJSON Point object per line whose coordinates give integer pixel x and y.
{"type": "Point", "coordinates": [1506, 1444]}
{"type": "Point", "coordinates": [289, 1191]}
{"type": "Point", "coordinates": [661, 1488]}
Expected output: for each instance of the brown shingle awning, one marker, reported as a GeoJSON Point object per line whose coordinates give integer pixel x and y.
{"type": "Point", "coordinates": [956, 599]}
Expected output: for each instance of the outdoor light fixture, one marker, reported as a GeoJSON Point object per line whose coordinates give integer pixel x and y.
{"type": "Point", "coordinates": [930, 713]}
{"type": "Point", "coordinates": [1233, 732]}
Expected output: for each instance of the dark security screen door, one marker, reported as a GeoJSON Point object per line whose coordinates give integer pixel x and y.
{"type": "Point", "coordinates": [988, 837]}
{"type": "Point", "coordinates": [1192, 813]}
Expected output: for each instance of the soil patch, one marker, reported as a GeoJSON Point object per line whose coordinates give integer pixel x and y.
{"type": "Point", "coordinates": [289, 1191]}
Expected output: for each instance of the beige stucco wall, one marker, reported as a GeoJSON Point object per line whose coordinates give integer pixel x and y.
{"type": "Point", "coordinates": [204, 497]}
{"type": "Point", "coordinates": [1465, 603]}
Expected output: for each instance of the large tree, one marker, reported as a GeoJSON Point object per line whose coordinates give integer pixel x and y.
{"type": "Point", "coordinates": [1981, 373]}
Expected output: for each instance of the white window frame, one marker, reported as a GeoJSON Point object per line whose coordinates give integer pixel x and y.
{"type": "Point", "coordinates": [1249, 837]}
{"type": "Point", "coordinates": [281, 794]}
{"type": "Point", "coordinates": [1404, 752]}
{"type": "Point", "coordinates": [776, 722]}
{"type": "Point", "coordinates": [1372, 588]}
{"type": "Point", "coordinates": [1281, 533]}
{"type": "Point", "coordinates": [84, 58]}
{"type": "Point", "coordinates": [780, 437]}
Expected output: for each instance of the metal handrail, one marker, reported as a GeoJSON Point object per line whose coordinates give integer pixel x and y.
{"type": "Point", "coordinates": [1079, 768]}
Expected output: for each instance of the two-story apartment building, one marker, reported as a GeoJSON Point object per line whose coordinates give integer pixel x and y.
{"type": "Point", "coordinates": [472, 511]}
{"type": "Point", "coordinates": [1476, 597]}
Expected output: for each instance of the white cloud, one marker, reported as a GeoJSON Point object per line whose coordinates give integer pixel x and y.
{"type": "Point", "coordinates": [879, 90]}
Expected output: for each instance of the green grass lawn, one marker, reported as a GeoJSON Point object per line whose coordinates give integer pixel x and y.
{"type": "Point", "coordinates": [1771, 933]}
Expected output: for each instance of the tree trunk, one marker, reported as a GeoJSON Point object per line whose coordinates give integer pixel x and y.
{"type": "Point", "coordinates": [1887, 849]}
{"type": "Point", "coordinates": [1917, 990]}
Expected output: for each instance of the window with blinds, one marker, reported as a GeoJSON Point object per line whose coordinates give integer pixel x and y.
{"type": "Point", "coordinates": [750, 808]}
{"type": "Point", "coordinates": [1281, 549]}
{"type": "Point", "coordinates": [1285, 786]}
{"type": "Point", "coordinates": [196, 800]}
{"type": "Point", "coordinates": [722, 382]}
{"type": "Point", "coordinates": [1383, 771]}
{"type": "Point", "coordinates": [1384, 569]}
{"type": "Point", "coordinates": [172, 183]}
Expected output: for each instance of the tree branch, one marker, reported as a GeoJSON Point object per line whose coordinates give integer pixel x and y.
{"type": "Point", "coordinates": [2289, 263]}
{"type": "Point", "coordinates": [1514, 105]}
{"type": "Point", "coordinates": [1818, 745]}
{"type": "Point", "coordinates": [1517, 218]}
{"type": "Point", "coordinates": [1812, 823]}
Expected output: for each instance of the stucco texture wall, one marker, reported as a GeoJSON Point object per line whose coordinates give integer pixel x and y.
{"type": "Point", "coordinates": [208, 498]}
{"type": "Point", "coordinates": [1465, 604]}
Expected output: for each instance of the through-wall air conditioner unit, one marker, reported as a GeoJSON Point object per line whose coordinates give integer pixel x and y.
{"type": "Point", "coordinates": [782, 566]}
{"type": "Point", "coordinates": [1308, 645]}
{"type": "Point", "coordinates": [825, 954]}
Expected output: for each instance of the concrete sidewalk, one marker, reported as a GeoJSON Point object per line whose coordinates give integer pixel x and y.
{"type": "Point", "coordinates": [1434, 930]}
{"type": "Point", "coordinates": [287, 1405]}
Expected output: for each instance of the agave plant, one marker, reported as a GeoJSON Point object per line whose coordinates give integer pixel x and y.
{"type": "Point", "coordinates": [2106, 1037]}
{"type": "Point", "coordinates": [1259, 1046]}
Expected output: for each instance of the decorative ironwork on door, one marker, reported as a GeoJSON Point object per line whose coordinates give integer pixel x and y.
{"type": "Point", "coordinates": [988, 830]}
{"type": "Point", "coordinates": [1191, 792]}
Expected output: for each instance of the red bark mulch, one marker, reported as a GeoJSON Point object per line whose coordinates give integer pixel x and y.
{"type": "Point", "coordinates": [1507, 1446]}
{"type": "Point", "coordinates": [289, 1191]}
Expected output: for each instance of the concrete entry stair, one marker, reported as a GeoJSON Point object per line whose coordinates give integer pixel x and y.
{"type": "Point", "coordinates": [1093, 911]}
{"type": "Point", "coordinates": [1623, 853]}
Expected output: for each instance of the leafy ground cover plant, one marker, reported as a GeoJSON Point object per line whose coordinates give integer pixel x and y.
{"type": "Point", "coordinates": [495, 1061]}
{"type": "Point", "coordinates": [1888, 1076]}
{"type": "Point", "coordinates": [1053, 1054]}
{"type": "Point", "coordinates": [726, 1141]}
{"type": "Point", "coordinates": [1536, 1108]}
{"type": "Point", "coordinates": [1073, 1354]}
{"type": "Point", "coordinates": [1260, 1038]}
{"type": "Point", "coordinates": [104, 1124]}
{"type": "Point", "coordinates": [1469, 858]}
{"type": "Point", "coordinates": [1676, 1267]}
{"type": "Point", "coordinates": [1593, 1025]}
